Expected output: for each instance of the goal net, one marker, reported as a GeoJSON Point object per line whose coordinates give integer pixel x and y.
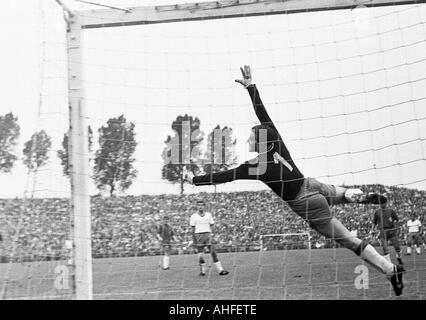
{"type": "Point", "coordinates": [285, 241]}
{"type": "Point", "coordinates": [343, 83]}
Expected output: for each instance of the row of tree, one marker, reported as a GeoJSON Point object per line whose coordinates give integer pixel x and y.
{"type": "Point", "coordinates": [34, 152]}
{"type": "Point", "coordinates": [113, 162]}
{"type": "Point", "coordinates": [183, 152]}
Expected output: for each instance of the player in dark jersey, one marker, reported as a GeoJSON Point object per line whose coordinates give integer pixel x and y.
{"type": "Point", "coordinates": [307, 197]}
{"type": "Point", "coordinates": [165, 235]}
{"type": "Point", "coordinates": [386, 222]}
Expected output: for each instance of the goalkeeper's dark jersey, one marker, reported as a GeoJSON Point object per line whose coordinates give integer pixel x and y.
{"type": "Point", "coordinates": [385, 218]}
{"type": "Point", "coordinates": [280, 172]}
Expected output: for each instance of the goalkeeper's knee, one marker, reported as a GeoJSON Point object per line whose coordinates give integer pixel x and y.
{"type": "Point", "coordinates": [354, 195]}
{"type": "Point", "coordinates": [358, 251]}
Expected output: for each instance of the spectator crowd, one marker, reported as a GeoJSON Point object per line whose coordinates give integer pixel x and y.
{"type": "Point", "coordinates": [37, 229]}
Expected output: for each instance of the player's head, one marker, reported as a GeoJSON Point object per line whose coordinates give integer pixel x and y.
{"type": "Point", "coordinates": [262, 138]}
{"type": "Point", "coordinates": [383, 203]}
{"type": "Point", "coordinates": [166, 219]}
{"type": "Point", "coordinates": [413, 216]}
{"type": "Point", "coordinates": [200, 205]}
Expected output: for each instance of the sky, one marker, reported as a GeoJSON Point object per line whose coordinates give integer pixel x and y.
{"type": "Point", "coordinates": [345, 89]}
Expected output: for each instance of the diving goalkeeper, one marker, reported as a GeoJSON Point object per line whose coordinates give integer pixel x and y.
{"type": "Point", "coordinates": [307, 197]}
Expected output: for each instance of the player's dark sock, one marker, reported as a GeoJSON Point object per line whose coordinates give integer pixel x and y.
{"type": "Point", "coordinates": [387, 256]}
{"type": "Point", "coordinates": [202, 267]}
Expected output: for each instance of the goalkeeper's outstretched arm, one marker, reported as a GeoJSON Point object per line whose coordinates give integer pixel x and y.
{"type": "Point", "coordinates": [258, 106]}
{"type": "Point", "coordinates": [260, 110]}
{"type": "Point", "coordinates": [239, 173]}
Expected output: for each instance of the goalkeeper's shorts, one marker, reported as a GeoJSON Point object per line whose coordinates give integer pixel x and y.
{"type": "Point", "coordinates": [312, 202]}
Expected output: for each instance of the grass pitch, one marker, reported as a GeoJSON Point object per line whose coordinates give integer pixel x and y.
{"type": "Point", "coordinates": [321, 274]}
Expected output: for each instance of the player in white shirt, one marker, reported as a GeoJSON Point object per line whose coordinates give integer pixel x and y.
{"type": "Point", "coordinates": [202, 224]}
{"type": "Point", "coordinates": [414, 231]}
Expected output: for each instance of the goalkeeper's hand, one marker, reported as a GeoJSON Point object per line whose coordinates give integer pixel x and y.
{"type": "Point", "coordinates": [247, 80]}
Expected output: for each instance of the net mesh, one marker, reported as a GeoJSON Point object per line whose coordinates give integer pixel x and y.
{"type": "Point", "coordinates": [345, 89]}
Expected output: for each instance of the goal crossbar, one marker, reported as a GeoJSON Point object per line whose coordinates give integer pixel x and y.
{"type": "Point", "coordinates": [103, 18]}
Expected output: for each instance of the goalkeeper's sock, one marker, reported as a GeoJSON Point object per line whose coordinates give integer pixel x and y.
{"type": "Point", "coordinates": [418, 250]}
{"type": "Point", "coordinates": [387, 257]}
{"type": "Point", "coordinates": [370, 255]}
{"type": "Point", "coordinates": [218, 266]}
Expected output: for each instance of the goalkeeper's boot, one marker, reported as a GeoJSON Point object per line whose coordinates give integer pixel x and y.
{"type": "Point", "coordinates": [396, 279]}
{"type": "Point", "coordinates": [374, 198]}
{"type": "Point", "coordinates": [358, 196]}
{"type": "Point", "coordinates": [223, 273]}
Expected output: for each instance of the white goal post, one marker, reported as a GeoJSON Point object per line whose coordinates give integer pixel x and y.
{"type": "Point", "coordinates": [77, 21]}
